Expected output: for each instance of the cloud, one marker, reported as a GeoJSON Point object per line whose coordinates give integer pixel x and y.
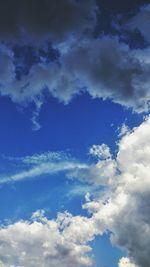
{"type": "Point", "coordinates": [107, 68]}
{"type": "Point", "coordinates": [123, 130]}
{"type": "Point", "coordinates": [100, 173]}
{"type": "Point", "coordinates": [125, 262]}
{"type": "Point", "coordinates": [100, 151]}
{"type": "Point", "coordinates": [44, 164]}
{"type": "Point", "coordinates": [141, 22]}
{"type": "Point", "coordinates": [30, 21]}
{"type": "Point", "coordinates": [104, 68]}
{"type": "Point", "coordinates": [123, 209]}
{"type": "Point", "coordinates": [50, 163]}
{"type": "Point", "coordinates": [44, 242]}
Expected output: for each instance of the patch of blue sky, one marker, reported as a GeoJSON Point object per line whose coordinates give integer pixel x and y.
{"type": "Point", "coordinates": [53, 194]}
{"type": "Point", "coordinates": [105, 254]}
{"type": "Point", "coordinates": [71, 128]}
{"type": "Point", "coordinates": [74, 127]}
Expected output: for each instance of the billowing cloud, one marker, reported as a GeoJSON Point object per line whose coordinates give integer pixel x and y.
{"type": "Point", "coordinates": [126, 211]}
{"type": "Point", "coordinates": [103, 67]}
{"type": "Point", "coordinates": [43, 242]}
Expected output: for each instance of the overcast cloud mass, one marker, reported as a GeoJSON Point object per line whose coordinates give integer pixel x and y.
{"type": "Point", "coordinates": [70, 60]}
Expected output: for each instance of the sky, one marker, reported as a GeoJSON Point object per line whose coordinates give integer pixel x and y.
{"type": "Point", "coordinates": [74, 133]}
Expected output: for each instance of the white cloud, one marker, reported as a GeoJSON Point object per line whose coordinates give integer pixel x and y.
{"type": "Point", "coordinates": [125, 262]}
{"type": "Point", "coordinates": [123, 130]}
{"type": "Point", "coordinates": [126, 211]}
{"type": "Point", "coordinates": [50, 163]}
{"type": "Point", "coordinates": [100, 173]}
{"type": "Point", "coordinates": [43, 242]}
{"type": "Point", "coordinates": [35, 124]}
{"type": "Point", "coordinates": [48, 156]}
{"type": "Point", "coordinates": [42, 169]}
{"type": "Point", "coordinates": [100, 151]}
{"type": "Point", "coordinates": [123, 209]}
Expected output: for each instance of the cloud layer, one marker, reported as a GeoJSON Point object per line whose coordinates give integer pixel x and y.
{"type": "Point", "coordinates": [28, 21]}
{"type": "Point", "coordinates": [104, 67]}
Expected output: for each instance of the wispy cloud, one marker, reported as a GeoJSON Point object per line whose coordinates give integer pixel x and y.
{"type": "Point", "coordinates": [42, 164]}
{"type": "Point", "coordinates": [50, 163]}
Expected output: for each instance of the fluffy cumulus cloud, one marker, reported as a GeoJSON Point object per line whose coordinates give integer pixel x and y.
{"type": "Point", "coordinates": [126, 212]}
{"type": "Point", "coordinates": [103, 67]}
{"type": "Point", "coordinates": [123, 210]}
{"type": "Point", "coordinates": [125, 262]}
{"type": "Point", "coordinates": [43, 242]}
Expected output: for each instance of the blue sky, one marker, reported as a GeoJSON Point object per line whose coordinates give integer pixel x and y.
{"type": "Point", "coordinates": [71, 129]}
{"type": "Point", "coordinates": [74, 134]}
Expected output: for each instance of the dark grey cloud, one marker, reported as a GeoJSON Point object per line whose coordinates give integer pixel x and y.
{"type": "Point", "coordinates": [54, 19]}
{"type": "Point", "coordinates": [104, 68]}
{"type": "Point", "coordinates": [72, 60]}
{"type": "Point", "coordinates": [141, 22]}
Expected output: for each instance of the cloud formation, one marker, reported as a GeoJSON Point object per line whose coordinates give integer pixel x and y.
{"type": "Point", "coordinates": [126, 212]}
{"type": "Point", "coordinates": [49, 163]}
{"type": "Point", "coordinates": [104, 67]}
{"type": "Point", "coordinates": [125, 262]}
{"type": "Point", "coordinates": [43, 242]}
{"type": "Point", "coordinates": [123, 209]}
